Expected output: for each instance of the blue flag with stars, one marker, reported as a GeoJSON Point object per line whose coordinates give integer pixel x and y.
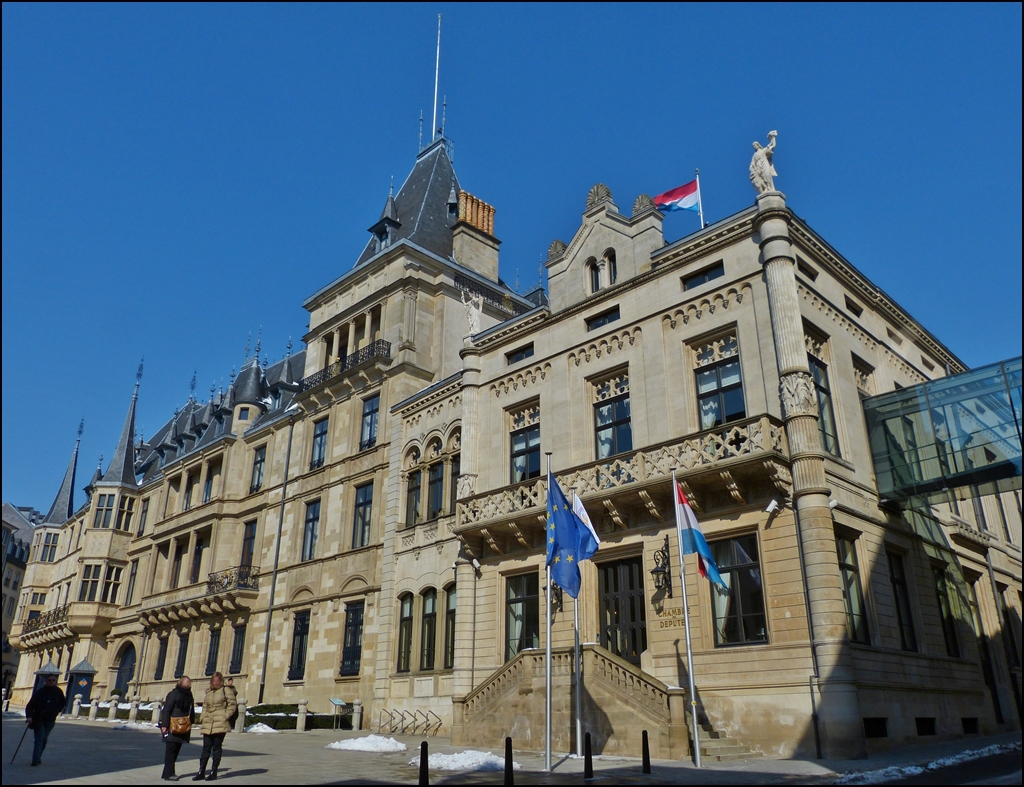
{"type": "Point", "coordinates": [565, 534]}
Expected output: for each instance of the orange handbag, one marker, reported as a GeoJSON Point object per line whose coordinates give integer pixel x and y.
{"type": "Point", "coordinates": [180, 725]}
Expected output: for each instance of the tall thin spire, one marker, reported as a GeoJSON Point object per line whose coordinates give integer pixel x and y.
{"type": "Point", "coordinates": [64, 503]}
{"type": "Point", "coordinates": [122, 467]}
{"type": "Point", "coordinates": [437, 73]}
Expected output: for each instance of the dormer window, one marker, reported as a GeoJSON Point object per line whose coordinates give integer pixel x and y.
{"type": "Point", "coordinates": [220, 424]}
{"type": "Point", "coordinates": [162, 460]}
{"type": "Point", "coordinates": [275, 399]}
{"type": "Point", "coordinates": [383, 236]}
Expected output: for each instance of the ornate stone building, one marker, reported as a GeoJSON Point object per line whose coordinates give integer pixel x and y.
{"type": "Point", "coordinates": [365, 519]}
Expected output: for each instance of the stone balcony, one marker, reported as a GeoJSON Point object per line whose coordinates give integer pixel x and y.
{"type": "Point", "coordinates": [72, 620]}
{"type": "Point", "coordinates": [224, 591]}
{"type": "Point", "coordinates": [730, 465]}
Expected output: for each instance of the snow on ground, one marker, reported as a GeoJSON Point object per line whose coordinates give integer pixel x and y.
{"type": "Point", "coordinates": [898, 772]}
{"type": "Point", "coordinates": [14, 713]}
{"type": "Point", "coordinates": [466, 761]}
{"type": "Point", "coordinates": [137, 725]}
{"type": "Point", "coordinates": [260, 728]}
{"type": "Point", "coordinates": [375, 743]}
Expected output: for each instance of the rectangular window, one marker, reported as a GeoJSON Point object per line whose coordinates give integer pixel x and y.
{"type": "Point", "coordinates": [161, 659]}
{"type": "Point", "coordinates": [208, 486]}
{"type": "Point", "coordinates": [449, 627]}
{"type": "Point", "coordinates": [179, 665]}
{"type": "Point", "coordinates": [602, 319]}
{"type": "Point", "coordinates": [720, 393]}
{"type": "Point", "coordinates": [319, 450]}
{"type": "Point", "coordinates": [243, 414]}
{"type": "Point", "coordinates": [300, 639]}
{"type": "Point", "coordinates": [143, 516]}
{"type": "Point", "coordinates": [361, 520]}
{"type": "Point", "coordinates": [739, 608]}
{"type": "Point", "coordinates": [111, 584]}
{"type": "Point", "coordinates": [826, 416]}
{"type": "Point", "coordinates": [258, 460]}
{"type": "Point", "coordinates": [520, 355]}
{"type": "Point", "coordinates": [453, 493]}
{"type": "Point", "coordinates": [435, 490]}
{"type": "Point", "coordinates": [49, 551]}
{"type": "Point", "coordinates": [613, 431]}
{"type": "Point", "coordinates": [716, 271]}
{"type": "Point", "coordinates": [124, 513]}
{"type": "Point", "coordinates": [404, 632]}
{"type": "Point", "coordinates": [309, 531]}
{"type": "Point", "coordinates": [213, 652]}
{"type": "Point", "coordinates": [179, 555]}
{"type": "Point", "coordinates": [129, 592]}
{"type": "Point", "coordinates": [352, 644]}
{"type": "Point", "coordinates": [901, 602]}
{"type": "Point", "coordinates": [412, 497]}
{"type": "Point", "coordinates": [248, 543]}
{"type": "Point", "coordinates": [368, 428]}
{"type": "Point", "coordinates": [525, 454]}
{"type": "Point", "coordinates": [522, 614]}
{"type": "Point", "coordinates": [979, 509]}
{"type": "Point", "coordinates": [197, 560]}
{"type": "Point", "coordinates": [428, 630]}
{"type": "Point", "coordinates": [90, 583]}
{"type": "Point", "coordinates": [853, 596]}
{"type": "Point", "coordinates": [946, 611]}
{"type": "Point", "coordinates": [237, 650]}
{"type": "Point", "coordinates": [1010, 634]}
{"type": "Point", "coordinates": [853, 307]}
{"type": "Point", "coordinates": [190, 483]}
{"type": "Point", "coordinates": [104, 510]}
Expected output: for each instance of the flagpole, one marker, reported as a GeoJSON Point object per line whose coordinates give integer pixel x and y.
{"type": "Point", "coordinates": [700, 212]}
{"type": "Point", "coordinates": [686, 616]}
{"type": "Point", "coordinates": [579, 676]}
{"type": "Point", "coordinates": [547, 654]}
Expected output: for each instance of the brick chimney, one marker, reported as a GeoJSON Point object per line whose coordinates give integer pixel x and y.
{"type": "Point", "coordinates": [473, 241]}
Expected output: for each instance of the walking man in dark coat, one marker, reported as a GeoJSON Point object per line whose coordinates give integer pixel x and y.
{"type": "Point", "coordinates": [41, 714]}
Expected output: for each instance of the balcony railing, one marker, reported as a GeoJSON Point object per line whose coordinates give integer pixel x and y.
{"type": "Point", "coordinates": [377, 349]}
{"type": "Point", "coordinates": [49, 618]}
{"type": "Point", "coordinates": [237, 578]}
{"type": "Point", "coordinates": [759, 437]}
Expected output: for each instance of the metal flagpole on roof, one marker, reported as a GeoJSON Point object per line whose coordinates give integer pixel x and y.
{"type": "Point", "coordinates": [700, 212]}
{"type": "Point", "coordinates": [547, 654]}
{"type": "Point", "coordinates": [437, 71]}
{"type": "Point", "coordinates": [686, 618]}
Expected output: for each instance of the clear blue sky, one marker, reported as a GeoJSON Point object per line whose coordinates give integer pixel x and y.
{"type": "Point", "coordinates": [176, 176]}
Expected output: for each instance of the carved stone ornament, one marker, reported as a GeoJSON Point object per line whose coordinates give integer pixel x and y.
{"type": "Point", "coordinates": [556, 249]}
{"type": "Point", "coordinates": [797, 393]}
{"type": "Point", "coordinates": [762, 170]}
{"type": "Point", "coordinates": [642, 204]}
{"type": "Point", "coordinates": [598, 194]}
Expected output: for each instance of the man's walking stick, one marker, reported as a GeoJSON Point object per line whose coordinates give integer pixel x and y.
{"type": "Point", "coordinates": [19, 743]}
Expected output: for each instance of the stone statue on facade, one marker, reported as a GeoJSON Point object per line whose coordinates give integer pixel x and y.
{"type": "Point", "coordinates": [474, 307]}
{"type": "Point", "coordinates": [761, 168]}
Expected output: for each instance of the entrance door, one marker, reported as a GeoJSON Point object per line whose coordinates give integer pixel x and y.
{"type": "Point", "coordinates": [623, 611]}
{"type": "Point", "coordinates": [125, 669]}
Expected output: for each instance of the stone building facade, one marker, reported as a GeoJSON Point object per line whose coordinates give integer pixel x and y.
{"type": "Point", "coordinates": [365, 519]}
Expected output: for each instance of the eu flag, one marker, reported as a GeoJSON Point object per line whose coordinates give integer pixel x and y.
{"type": "Point", "coordinates": [564, 534]}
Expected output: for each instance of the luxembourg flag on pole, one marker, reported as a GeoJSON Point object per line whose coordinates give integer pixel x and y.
{"type": "Point", "coordinates": [685, 197]}
{"type": "Point", "coordinates": [693, 537]}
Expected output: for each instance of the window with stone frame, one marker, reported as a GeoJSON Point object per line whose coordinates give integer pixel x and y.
{"type": "Point", "coordinates": [248, 543]}
{"type": "Point", "coordinates": [124, 513]}
{"type": "Point", "coordinates": [864, 377]}
{"type": "Point", "coordinates": [413, 484]}
{"type": "Point", "coordinates": [362, 517]}
{"type": "Point", "coordinates": [739, 609]}
{"type": "Point", "coordinates": [161, 659]}
{"type": "Point", "coordinates": [524, 439]}
{"type": "Point", "coordinates": [49, 551]}
{"type": "Point", "coordinates": [853, 594]}
{"type": "Point", "coordinates": [368, 425]}
{"type": "Point", "coordinates": [613, 431]}
{"type": "Point", "coordinates": [719, 380]}
{"type": "Point", "coordinates": [259, 460]}
{"type": "Point", "coordinates": [311, 526]}
{"type": "Point", "coordinates": [104, 511]}
{"type": "Point", "coordinates": [352, 641]}
{"type": "Point", "coordinates": [129, 592]}
{"type": "Point", "coordinates": [947, 612]}
{"type": "Point", "coordinates": [111, 584]}
{"type": "Point", "coordinates": [143, 516]}
{"type": "Point", "coordinates": [213, 651]}
{"type": "Point", "coordinates": [428, 629]}
{"type": "Point", "coordinates": [237, 649]}
{"type": "Point", "coordinates": [435, 490]}
{"type": "Point", "coordinates": [179, 665]}
{"type": "Point", "coordinates": [901, 601]}
{"type": "Point", "coordinates": [405, 604]}
{"type": "Point", "coordinates": [817, 360]}
{"type": "Point", "coordinates": [432, 479]}
{"type": "Point", "coordinates": [300, 641]}
{"type": "Point", "coordinates": [318, 450]}
{"type": "Point", "coordinates": [522, 614]}
{"type": "Point", "coordinates": [90, 582]}
{"type": "Point", "coordinates": [594, 274]}
{"type": "Point", "coordinates": [451, 603]}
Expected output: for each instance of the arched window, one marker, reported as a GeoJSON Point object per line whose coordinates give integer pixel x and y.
{"type": "Point", "coordinates": [613, 270]}
{"type": "Point", "coordinates": [595, 275]}
{"type": "Point", "coordinates": [125, 669]}
{"type": "Point", "coordinates": [428, 630]}
{"type": "Point", "coordinates": [404, 631]}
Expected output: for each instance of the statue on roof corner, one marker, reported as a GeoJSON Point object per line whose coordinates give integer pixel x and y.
{"type": "Point", "coordinates": [761, 168]}
{"type": "Point", "coordinates": [474, 306]}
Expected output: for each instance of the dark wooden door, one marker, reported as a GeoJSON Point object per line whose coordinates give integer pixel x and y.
{"type": "Point", "coordinates": [623, 609]}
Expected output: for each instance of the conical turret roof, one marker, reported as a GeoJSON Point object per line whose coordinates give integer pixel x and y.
{"type": "Point", "coordinates": [122, 467]}
{"type": "Point", "coordinates": [64, 503]}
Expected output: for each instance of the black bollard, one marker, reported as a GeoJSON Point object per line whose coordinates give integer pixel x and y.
{"type": "Point", "coordinates": [509, 779]}
{"type": "Point", "coordinates": [588, 759]}
{"type": "Point", "coordinates": [647, 755]}
{"type": "Point", "coordinates": [424, 770]}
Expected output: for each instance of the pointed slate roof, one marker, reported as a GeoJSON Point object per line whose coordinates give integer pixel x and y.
{"type": "Point", "coordinates": [121, 469]}
{"type": "Point", "coordinates": [419, 213]}
{"type": "Point", "coordinates": [63, 507]}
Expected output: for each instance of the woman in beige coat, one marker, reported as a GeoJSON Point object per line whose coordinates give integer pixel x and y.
{"type": "Point", "coordinates": [219, 705]}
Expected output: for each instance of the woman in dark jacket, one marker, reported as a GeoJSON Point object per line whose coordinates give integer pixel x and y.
{"type": "Point", "coordinates": [179, 704]}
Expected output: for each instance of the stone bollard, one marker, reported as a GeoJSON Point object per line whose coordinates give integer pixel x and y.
{"type": "Point", "coordinates": [133, 712]}
{"type": "Point", "coordinates": [112, 711]}
{"type": "Point", "coordinates": [94, 710]}
{"type": "Point", "coordinates": [357, 715]}
{"type": "Point", "coordinates": [76, 707]}
{"type": "Point", "coordinates": [240, 722]}
{"type": "Point", "coordinates": [300, 721]}
{"type": "Point", "coordinates": [158, 708]}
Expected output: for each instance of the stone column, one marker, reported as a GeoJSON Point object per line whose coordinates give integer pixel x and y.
{"type": "Point", "coordinates": [357, 715]}
{"type": "Point", "coordinates": [462, 672]}
{"type": "Point", "coordinates": [351, 347]}
{"type": "Point", "coordinates": [838, 707]}
{"type": "Point", "coordinates": [339, 343]}
{"type": "Point", "coordinates": [470, 421]}
{"type": "Point", "coordinates": [368, 328]}
{"type": "Point", "coordinates": [172, 550]}
{"type": "Point", "coordinates": [203, 473]}
{"type": "Point", "coordinates": [240, 722]}
{"type": "Point", "coordinates": [189, 556]}
{"type": "Point", "coordinates": [300, 720]}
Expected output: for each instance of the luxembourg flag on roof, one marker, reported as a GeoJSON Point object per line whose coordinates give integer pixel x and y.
{"type": "Point", "coordinates": [693, 537]}
{"type": "Point", "coordinates": [685, 197]}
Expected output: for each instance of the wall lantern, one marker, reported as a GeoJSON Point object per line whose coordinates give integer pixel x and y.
{"type": "Point", "coordinates": [662, 571]}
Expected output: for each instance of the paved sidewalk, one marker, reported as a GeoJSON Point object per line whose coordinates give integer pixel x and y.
{"type": "Point", "coordinates": [94, 753]}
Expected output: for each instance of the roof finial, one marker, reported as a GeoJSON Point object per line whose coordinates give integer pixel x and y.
{"type": "Point", "coordinates": [213, 387]}
{"type": "Point", "coordinates": [421, 131]}
{"type": "Point", "coordinates": [391, 188]}
{"type": "Point", "coordinates": [99, 464]}
{"type": "Point", "coordinates": [437, 72]}
{"type": "Point", "coordinates": [259, 342]}
{"type": "Point", "coordinates": [248, 341]}
{"type": "Point", "coordinates": [192, 388]}
{"type": "Point", "coordinates": [232, 375]}
{"type": "Point", "coordinates": [289, 347]}
{"type": "Point", "coordinates": [81, 428]}
{"type": "Point", "coordinates": [444, 112]}
{"type": "Point", "coordinates": [138, 373]}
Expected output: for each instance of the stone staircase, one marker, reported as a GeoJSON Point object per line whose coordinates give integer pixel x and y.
{"type": "Point", "coordinates": [718, 746]}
